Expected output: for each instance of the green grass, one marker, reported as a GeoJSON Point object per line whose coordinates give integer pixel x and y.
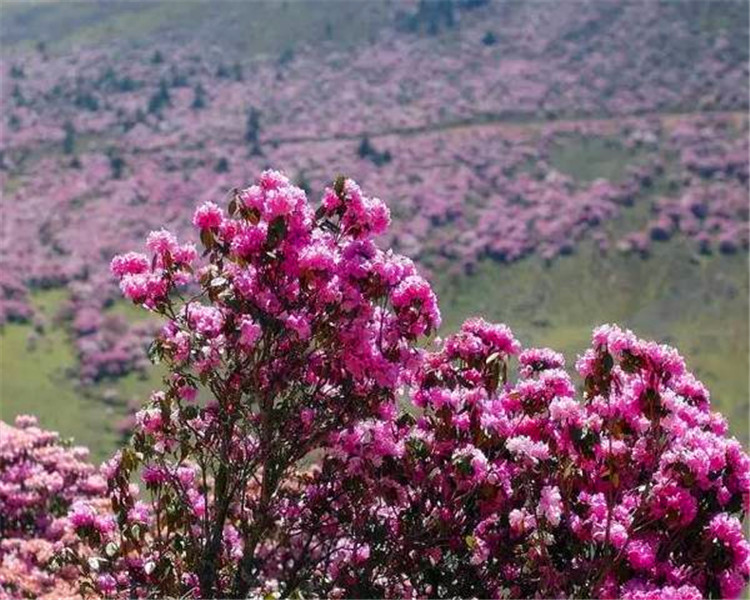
{"type": "Point", "coordinates": [134, 386]}
{"type": "Point", "coordinates": [589, 158]}
{"type": "Point", "coordinates": [37, 381]}
{"type": "Point", "coordinates": [49, 301]}
{"type": "Point", "coordinates": [128, 310]}
{"type": "Point", "coordinates": [241, 29]}
{"type": "Point", "coordinates": [38, 378]}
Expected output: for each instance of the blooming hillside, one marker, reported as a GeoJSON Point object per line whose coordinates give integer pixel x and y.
{"type": "Point", "coordinates": [508, 138]}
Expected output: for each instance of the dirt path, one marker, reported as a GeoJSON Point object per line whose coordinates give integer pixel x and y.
{"type": "Point", "coordinates": [485, 124]}
{"type": "Point", "coordinates": [510, 125]}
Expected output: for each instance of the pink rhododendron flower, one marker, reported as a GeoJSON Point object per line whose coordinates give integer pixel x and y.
{"type": "Point", "coordinates": [550, 505]}
{"type": "Point", "coordinates": [208, 216]}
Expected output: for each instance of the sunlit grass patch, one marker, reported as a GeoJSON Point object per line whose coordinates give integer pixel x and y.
{"type": "Point", "coordinates": [589, 158]}
{"type": "Point", "coordinates": [37, 376]}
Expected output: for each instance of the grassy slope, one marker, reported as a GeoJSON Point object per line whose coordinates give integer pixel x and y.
{"type": "Point", "coordinates": [38, 380]}
{"type": "Point", "coordinates": [241, 29]}
{"type": "Point", "coordinates": [588, 159]}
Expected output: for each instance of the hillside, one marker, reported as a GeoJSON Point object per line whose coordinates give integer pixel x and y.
{"type": "Point", "coordinates": [549, 168]}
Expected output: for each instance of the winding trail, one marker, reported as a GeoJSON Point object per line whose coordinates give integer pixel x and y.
{"type": "Point", "coordinates": [507, 124]}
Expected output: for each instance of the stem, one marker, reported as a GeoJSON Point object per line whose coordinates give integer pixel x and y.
{"type": "Point", "coordinates": [209, 559]}
{"type": "Point", "coordinates": [244, 576]}
{"type": "Point", "coordinates": [208, 568]}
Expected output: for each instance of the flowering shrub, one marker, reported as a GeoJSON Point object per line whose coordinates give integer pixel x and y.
{"type": "Point", "coordinates": [40, 479]}
{"type": "Point", "coordinates": [277, 460]}
{"type": "Point", "coordinates": [297, 326]}
{"type": "Point", "coordinates": [501, 488]}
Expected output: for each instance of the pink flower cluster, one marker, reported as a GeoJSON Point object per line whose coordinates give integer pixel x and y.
{"type": "Point", "coordinates": [518, 489]}
{"type": "Point", "coordinates": [40, 479]}
{"type": "Point", "coordinates": [147, 282]}
{"type": "Point", "coordinates": [295, 325]}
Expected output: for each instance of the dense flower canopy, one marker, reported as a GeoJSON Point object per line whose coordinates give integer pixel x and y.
{"type": "Point", "coordinates": [41, 478]}
{"type": "Point", "coordinates": [518, 488]}
{"type": "Point", "coordinates": [312, 438]}
{"type": "Point", "coordinates": [297, 325]}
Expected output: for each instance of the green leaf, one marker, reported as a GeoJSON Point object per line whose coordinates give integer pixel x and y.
{"type": "Point", "coordinates": [190, 412]}
{"type": "Point", "coordinates": [250, 214]}
{"type": "Point", "coordinates": [589, 384]}
{"type": "Point", "coordinates": [494, 376]}
{"type": "Point", "coordinates": [128, 461]}
{"type": "Point", "coordinates": [276, 232]}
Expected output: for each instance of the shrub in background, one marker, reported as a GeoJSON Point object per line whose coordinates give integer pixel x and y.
{"type": "Point", "coordinates": [41, 479]}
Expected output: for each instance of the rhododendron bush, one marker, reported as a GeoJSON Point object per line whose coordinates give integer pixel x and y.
{"type": "Point", "coordinates": [314, 439]}
{"type": "Point", "coordinates": [41, 479]}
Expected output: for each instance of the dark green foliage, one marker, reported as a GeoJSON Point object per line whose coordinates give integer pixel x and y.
{"type": "Point", "coordinates": [69, 141]}
{"type": "Point", "coordinates": [303, 182]}
{"type": "Point", "coordinates": [85, 100]}
{"type": "Point", "coordinates": [14, 122]}
{"type": "Point", "coordinates": [252, 131]}
{"type": "Point", "coordinates": [109, 81]}
{"type": "Point", "coordinates": [178, 79]}
{"type": "Point", "coordinates": [160, 99]}
{"type": "Point", "coordinates": [237, 72]}
{"type": "Point", "coordinates": [431, 16]}
{"type": "Point", "coordinates": [222, 165]}
{"type": "Point", "coordinates": [222, 72]}
{"type": "Point", "coordinates": [116, 163]}
{"type": "Point", "coordinates": [199, 99]}
{"type": "Point", "coordinates": [18, 96]}
{"type": "Point", "coordinates": [368, 151]}
{"type": "Point", "coordinates": [286, 57]}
